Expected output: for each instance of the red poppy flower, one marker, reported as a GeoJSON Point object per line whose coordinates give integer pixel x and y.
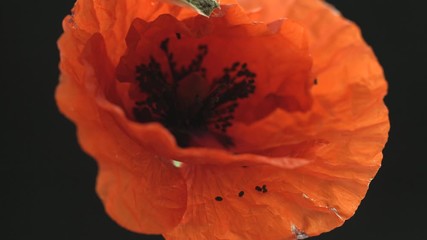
{"type": "Point", "coordinates": [278, 123]}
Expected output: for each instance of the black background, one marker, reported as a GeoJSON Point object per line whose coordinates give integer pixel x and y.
{"type": "Point", "coordinates": [48, 182]}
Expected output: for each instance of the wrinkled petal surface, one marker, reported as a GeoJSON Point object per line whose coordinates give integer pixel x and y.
{"type": "Point", "coordinates": [314, 147]}
{"type": "Point", "coordinates": [343, 133]}
{"type": "Point", "coordinates": [132, 180]}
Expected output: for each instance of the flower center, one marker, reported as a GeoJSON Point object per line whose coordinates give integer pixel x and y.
{"type": "Point", "coordinates": [185, 102]}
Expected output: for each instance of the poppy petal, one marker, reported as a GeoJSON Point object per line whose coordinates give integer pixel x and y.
{"type": "Point", "coordinates": [111, 19]}
{"type": "Point", "coordinates": [302, 163]}
{"type": "Point", "coordinates": [262, 202]}
{"type": "Point", "coordinates": [350, 90]}
{"type": "Point", "coordinates": [77, 32]}
{"type": "Point", "coordinates": [343, 133]}
{"type": "Point", "coordinates": [288, 79]}
{"type": "Point", "coordinates": [131, 181]}
{"type": "Point", "coordinates": [285, 83]}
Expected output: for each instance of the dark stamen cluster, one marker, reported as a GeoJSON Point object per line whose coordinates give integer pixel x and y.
{"type": "Point", "coordinates": [208, 113]}
{"type": "Point", "coordinates": [237, 82]}
{"type": "Point", "coordinates": [195, 65]}
{"type": "Point", "coordinates": [152, 82]}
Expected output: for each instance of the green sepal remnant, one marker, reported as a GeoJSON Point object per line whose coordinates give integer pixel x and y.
{"type": "Point", "coordinates": [203, 7]}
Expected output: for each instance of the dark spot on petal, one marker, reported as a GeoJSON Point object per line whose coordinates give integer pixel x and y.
{"type": "Point", "coordinates": [264, 188]}
{"type": "Point", "coordinates": [178, 35]}
{"type": "Point", "coordinates": [218, 198]}
{"type": "Point", "coordinates": [315, 81]}
{"type": "Point", "coordinates": [258, 188]}
{"type": "Point", "coordinates": [244, 166]}
{"type": "Point", "coordinates": [241, 193]}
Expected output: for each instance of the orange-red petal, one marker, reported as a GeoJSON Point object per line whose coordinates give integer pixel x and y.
{"type": "Point", "coordinates": [290, 206]}
{"type": "Point", "coordinates": [287, 79]}
{"type": "Point", "coordinates": [132, 181]}
{"type": "Point", "coordinates": [343, 134]}
{"type": "Point", "coordinates": [277, 52]}
{"type": "Point", "coordinates": [316, 164]}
